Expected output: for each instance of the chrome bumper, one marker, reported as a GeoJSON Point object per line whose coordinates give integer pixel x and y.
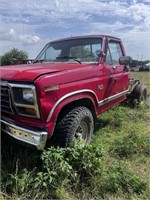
{"type": "Point", "coordinates": [31, 137]}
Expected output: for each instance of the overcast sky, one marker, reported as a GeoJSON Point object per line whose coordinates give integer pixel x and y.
{"type": "Point", "coordinates": [29, 24]}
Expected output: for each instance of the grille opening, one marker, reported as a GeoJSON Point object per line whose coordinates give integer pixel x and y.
{"type": "Point", "coordinates": [5, 100]}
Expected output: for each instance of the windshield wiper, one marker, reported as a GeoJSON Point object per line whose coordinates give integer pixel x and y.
{"type": "Point", "coordinates": [69, 57]}
{"type": "Point", "coordinates": [38, 61]}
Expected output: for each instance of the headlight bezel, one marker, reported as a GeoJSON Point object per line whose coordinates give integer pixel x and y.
{"type": "Point", "coordinates": [21, 105]}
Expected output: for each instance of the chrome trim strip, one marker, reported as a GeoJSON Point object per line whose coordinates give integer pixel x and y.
{"type": "Point", "coordinates": [22, 85]}
{"type": "Point", "coordinates": [65, 97]}
{"type": "Point", "coordinates": [100, 103]}
{"type": "Point", "coordinates": [111, 98]}
{"type": "Point", "coordinates": [3, 83]}
{"type": "Point", "coordinates": [35, 138]}
{"type": "Point", "coordinates": [24, 105]}
{"type": "Point", "coordinates": [6, 83]}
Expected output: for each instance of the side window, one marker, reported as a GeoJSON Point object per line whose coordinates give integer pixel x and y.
{"type": "Point", "coordinates": [108, 57]}
{"type": "Point", "coordinates": [114, 52]}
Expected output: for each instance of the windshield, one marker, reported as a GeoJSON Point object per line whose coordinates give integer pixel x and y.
{"type": "Point", "coordinates": [73, 50]}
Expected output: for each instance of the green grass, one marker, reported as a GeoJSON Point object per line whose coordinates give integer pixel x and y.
{"type": "Point", "coordinates": [114, 166]}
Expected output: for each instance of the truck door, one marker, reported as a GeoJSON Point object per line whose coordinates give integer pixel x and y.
{"type": "Point", "coordinates": [116, 79]}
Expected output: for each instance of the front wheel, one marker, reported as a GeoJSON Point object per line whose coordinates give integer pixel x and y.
{"type": "Point", "coordinates": [76, 124]}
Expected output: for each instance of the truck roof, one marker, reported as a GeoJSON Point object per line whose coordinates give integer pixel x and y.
{"type": "Point", "coordinates": [85, 36]}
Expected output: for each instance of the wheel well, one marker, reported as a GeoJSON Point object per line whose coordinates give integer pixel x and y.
{"type": "Point", "coordinates": [81, 102]}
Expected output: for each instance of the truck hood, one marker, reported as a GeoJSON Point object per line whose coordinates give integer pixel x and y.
{"type": "Point", "coordinates": [30, 72]}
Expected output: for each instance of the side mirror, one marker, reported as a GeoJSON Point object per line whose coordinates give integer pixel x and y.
{"type": "Point", "coordinates": [125, 60]}
{"type": "Point", "coordinates": [99, 53]}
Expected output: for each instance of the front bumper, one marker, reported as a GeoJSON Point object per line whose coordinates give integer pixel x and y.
{"type": "Point", "coordinates": [32, 137]}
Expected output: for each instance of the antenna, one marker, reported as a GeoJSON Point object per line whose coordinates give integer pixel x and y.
{"type": "Point", "coordinates": [137, 60]}
{"type": "Point", "coordinates": [23, 37]}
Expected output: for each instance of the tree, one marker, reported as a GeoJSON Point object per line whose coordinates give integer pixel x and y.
{"type": "Point", "coordinates": [13, 56]}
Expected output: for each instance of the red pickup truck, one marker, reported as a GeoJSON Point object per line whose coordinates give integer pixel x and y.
{"type": "Point", "coordinates": [58, 96]}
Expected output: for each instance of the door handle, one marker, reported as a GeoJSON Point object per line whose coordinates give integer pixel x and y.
{"type": "Point", "coordinates": [115, 67]}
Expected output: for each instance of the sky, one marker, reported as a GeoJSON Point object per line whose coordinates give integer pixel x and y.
{"type": "Point", "coordinates": [29, 24]}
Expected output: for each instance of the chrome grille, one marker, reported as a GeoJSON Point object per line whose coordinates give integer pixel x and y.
{"type": "Point", "coordinates": [5, 100]}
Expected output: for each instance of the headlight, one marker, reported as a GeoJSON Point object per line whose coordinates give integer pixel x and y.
{"type": "Point", "coordinates": [28, 95]}
{"type": "Point", "coordinates": [25, 100]}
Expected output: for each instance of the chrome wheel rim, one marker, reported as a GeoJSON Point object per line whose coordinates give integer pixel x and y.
{"type": "Point", "coordinates": [82, 131]}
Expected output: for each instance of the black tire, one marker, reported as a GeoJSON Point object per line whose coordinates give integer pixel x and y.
{"type": "Point", "coordinates": [77, 123]}
{"type": "Point", "coordinates": [139, 95]}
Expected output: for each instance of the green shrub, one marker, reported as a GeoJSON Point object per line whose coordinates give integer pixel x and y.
{"type": "Point", "coordinates": [55, 169]}
{"type": "Point", "coordinates": [68, 166]}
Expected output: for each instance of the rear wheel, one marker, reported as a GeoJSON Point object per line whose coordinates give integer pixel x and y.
{"type": "Point", "coordinates": [139, 95]}
{"type": "Point", "coordinates": [76, 124]}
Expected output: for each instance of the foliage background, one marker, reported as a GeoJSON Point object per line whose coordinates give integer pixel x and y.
{"type": "Point", "coordinates": [14, 56]}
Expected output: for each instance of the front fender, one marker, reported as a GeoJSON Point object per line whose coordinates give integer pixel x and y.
{"type": "Point", "coordinates": [70, 98]}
